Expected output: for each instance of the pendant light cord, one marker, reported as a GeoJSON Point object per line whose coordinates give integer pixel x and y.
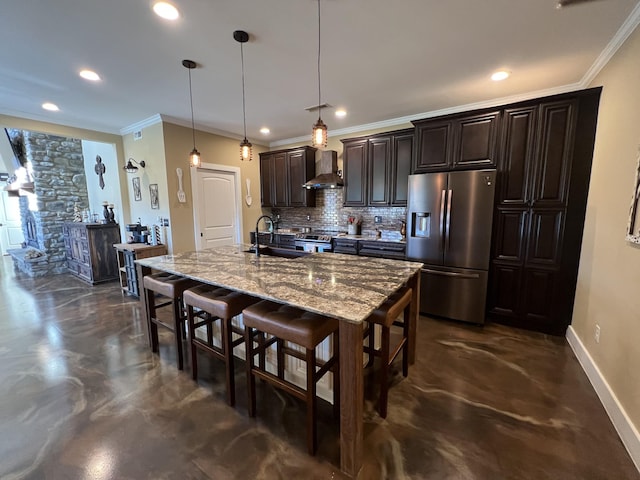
{"type": "Point", "coordinates": [244, 115]}
{"type": "Point", "coordinates": [193, 128]}
{"type": "Point", "coordinates": [319, 98]}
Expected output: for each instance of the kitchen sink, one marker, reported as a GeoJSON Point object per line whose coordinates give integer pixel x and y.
{"type": "Point", "coordinates": [279, 252]}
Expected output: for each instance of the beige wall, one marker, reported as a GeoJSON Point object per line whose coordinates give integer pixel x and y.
{"type": "Point", "coordinates": [608, 290]}
{"type": "Point", "coordinates": [150, 148]}
{"type": "Point", "coordinates": [214, 149]}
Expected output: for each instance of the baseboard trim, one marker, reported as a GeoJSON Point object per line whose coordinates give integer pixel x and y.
{"type": "Point", "coordinates": [621, 421]}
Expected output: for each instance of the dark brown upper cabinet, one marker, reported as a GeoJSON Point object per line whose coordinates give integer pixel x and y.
{"type": "Point", "coordinates": [354, 168]}
{"type": "Point", "coordinates": [266, 180]}
{"type": "Point", "coordinates": [379, 170]}
{"type": "Point", "coordinates": [476, 141]}
{"type": "Point", "coordinates": [457, 142]}
{"type": "Point", "coordinates": [433, 151]}
{"type": "Point", "coordinates": [376, 169]}
{"type": "Point", "coordinates": [282, 174]}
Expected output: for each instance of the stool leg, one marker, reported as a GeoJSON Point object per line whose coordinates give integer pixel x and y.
{"type": "Point", "coordinates": [384, 371]}
{"type": "Point", "coordinates": [251, 381]}
{"type": "Point", "coordinates": [183, 317]}
{"type": "Point", "coordinates": [336, 377]}
{"type": "Point", "coordinates": [312, 441]}
{"type": "Point", "coordinates": [371, 340]}
{"type": "Point", "coordinates": [227, 336]}
{"type": "Point", "coordinates": [177, 329]}
{"type": "Point", "coordinates": [405, 348]}
{"type": "Point", "coordinates": [151, 315]}
{"type": "Point", "coordinates": [192, 344]}
{"type": "Point", "coordinates": [280, 357]}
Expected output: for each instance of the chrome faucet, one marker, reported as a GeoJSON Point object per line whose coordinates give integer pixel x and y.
{"type": "Point", "coordinates": [266, 217]}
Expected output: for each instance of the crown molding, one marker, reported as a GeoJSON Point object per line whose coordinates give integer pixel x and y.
{"type": "Point", "coordinates": [612, 47]}
{"type": "Point", "coordinates": [436, 113]}
{"type": "Point", "coordinates": [147, 122]}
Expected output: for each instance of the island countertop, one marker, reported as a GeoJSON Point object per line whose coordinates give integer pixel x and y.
{"type": "Point", "coordinates": [346, 287]}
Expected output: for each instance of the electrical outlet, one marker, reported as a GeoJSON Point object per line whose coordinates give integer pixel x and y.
{"type": "Point", "coordinates": [377, 219]}
{"type": "Point", "coordinates": [596, 335]}
{"type": "Point", "coordinates": [165, 222]}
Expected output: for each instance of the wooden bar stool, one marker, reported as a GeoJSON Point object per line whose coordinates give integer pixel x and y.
{"type": "Point", "coordinates": [172, 287]}
{"type": "Point", "coordinates": [215, 304]}
{"type": "Point", "coordinates": [283, 323]}
{"type": "Point", "coordinates": [387, 316]}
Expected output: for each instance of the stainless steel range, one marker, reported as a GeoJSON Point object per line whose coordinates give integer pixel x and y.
{"type": "Point", "coordinates": [314, 242]}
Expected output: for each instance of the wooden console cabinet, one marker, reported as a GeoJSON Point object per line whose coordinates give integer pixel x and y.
{"type": "Point", "coordinates": [88, 247]}
{"type": "Point", "coordinates": [127, 254]}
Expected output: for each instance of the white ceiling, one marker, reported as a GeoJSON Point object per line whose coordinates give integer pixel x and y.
{"type": "Point", "coordinates": [380, 60]}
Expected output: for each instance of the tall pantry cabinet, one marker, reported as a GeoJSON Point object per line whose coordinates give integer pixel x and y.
{"type": "Point", "coordinates": [543, 178]}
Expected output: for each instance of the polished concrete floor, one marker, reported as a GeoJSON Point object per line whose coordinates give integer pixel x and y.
{"type": "Point", "coordinates": [82, 397]}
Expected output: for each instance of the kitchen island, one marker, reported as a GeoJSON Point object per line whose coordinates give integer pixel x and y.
{"type": "Point", "coordinates": [345, 287]}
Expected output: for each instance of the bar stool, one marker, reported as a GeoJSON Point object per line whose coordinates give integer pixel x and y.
{"type": "Point", "coordinates": [215, 304]}
{"type": "Point", "coordinates": [172, 287]}
{"type": "Point", "coordinates": [284, 323]}
{"type": "Point", "coordinates": [387, 316]}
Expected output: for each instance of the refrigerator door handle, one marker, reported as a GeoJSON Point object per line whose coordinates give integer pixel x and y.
{"type": "Point", "coordinates": [451, 274]}
{"type": "Point", "coordinates": [442, 201]}
{"type": "Point", "coordinates": [447, 235]}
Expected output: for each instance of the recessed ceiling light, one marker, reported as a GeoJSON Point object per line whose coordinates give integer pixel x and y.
{"type": "Point", "coordinates": [341, 113]}
{"type": "Point", "coordinates": [265, 131]}
{"type": "Point", "coordinates": [166, 10]}
{"type": "Point", "coordinates": [52, 107]}
{"type": "Point", "coordinates": [500, 75]}
{"type": "Point", "coordinates": [89, 75]}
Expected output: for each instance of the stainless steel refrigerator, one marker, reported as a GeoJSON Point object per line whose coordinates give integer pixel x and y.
{"type": "Point", "coordinates": [449, 217]}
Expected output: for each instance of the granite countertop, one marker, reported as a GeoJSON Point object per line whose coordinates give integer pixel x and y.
{"type": "Point", "coordinates": [346, 287]}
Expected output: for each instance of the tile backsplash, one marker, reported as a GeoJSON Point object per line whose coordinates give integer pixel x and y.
{"type": "Point", "coordinates": [330, 214]}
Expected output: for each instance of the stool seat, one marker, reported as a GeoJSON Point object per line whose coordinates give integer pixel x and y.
{"type": "Point", "coordinates": [216, 303]}
{"type": "Point", "coordinates": [173, 287]}
{"type": "Point", "coordinates": [386, 315]}
{"type": "Point", "coordinates": [289, 324]}
{"type": "Point", "coordinates": [168, 284]}
{"type": "Point", "coordinates": [391, 309]}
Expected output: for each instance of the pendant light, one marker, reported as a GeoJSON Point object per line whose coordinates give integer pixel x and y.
{"type": "Point", "coordinates": [194, 156]}
{"type": "Point", "coordinates": [246, 148]}
{"type": "Point", "coordinates": [319, 133]}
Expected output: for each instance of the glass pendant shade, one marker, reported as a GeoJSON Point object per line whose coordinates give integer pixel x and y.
{"type": "Point", "coordinates": [246, 150]}
{"type": "Point", "coordinates": [194, 158]}
{"type": "Point", "coordinates": [319, 135]}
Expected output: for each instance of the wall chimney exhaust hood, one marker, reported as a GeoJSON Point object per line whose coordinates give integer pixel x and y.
{"type": "Point", "coordinates": [327, 176]}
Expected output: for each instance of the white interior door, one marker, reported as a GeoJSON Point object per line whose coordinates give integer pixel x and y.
{"type": "Point", "coordinates": [216, 206]}
{"type": "Point", "coordinates": [11, 235]}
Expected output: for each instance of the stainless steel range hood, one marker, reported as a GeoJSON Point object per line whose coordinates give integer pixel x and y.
{"type": "Point", "coordinates": [327, 176]}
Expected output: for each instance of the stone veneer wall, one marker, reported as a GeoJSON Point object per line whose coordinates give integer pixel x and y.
{"type": "Point", "coordinates": [57, 167]}
{"type": "Point", "coordinates": [330, 214]}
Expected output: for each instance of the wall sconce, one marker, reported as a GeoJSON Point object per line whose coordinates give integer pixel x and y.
{"type": "Point", "coordinates": [131, 168]}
